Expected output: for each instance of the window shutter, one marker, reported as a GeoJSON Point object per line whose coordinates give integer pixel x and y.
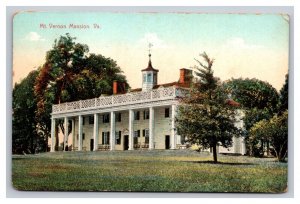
{"type": "Point", "coordinates": [108, 140]}
{"type": "Point", "coordinates": [102, 137]}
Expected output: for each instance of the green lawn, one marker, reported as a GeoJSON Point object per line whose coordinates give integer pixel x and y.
{"type": "Point", "coordinates": [166, 171]}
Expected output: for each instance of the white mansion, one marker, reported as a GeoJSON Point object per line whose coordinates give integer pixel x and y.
{"type": "Point", "coordinates": [143, 118]}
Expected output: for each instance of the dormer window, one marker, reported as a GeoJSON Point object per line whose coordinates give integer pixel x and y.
{"type": "Point", "coordinates": [144, 77]}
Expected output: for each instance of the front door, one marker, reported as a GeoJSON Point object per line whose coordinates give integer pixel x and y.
{"type": "Point", "coordinates": [126, 142]}
{"type": "Point", "coordinates": [92, 145]}
{"type": "Point", "coordinates": [167, 142]}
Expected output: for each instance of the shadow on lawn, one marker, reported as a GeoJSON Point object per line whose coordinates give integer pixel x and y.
{"type": "Point", "coordinates": [223, 163]}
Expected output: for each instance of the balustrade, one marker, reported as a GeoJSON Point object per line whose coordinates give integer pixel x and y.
{"type": "Point", "coordinates": [124, 99]}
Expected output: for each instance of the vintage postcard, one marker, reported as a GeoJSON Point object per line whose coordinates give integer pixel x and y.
{"type": "Point", "coordinates": [150, 102]}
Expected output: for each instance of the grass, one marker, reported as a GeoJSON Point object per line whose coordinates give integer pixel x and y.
{"type": "Point", "coordinates": [147, 171]}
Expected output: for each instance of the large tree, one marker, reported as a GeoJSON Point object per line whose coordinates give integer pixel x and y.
{"type": "Point", "coordinates": [72, 73]}
{"type": "Point", "coordinates": [204, 116]}
{"type": "Point", "coordinates": [25, 136]}
{"type": "Point", "coordinates": [259, 100]}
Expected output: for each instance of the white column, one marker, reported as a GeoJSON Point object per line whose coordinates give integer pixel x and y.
{"type": "Point", "coordinates": [80, 133]}
{"type": "Point", "coordinates": [130, 130]}
{"type": "Point", "coordinates": [112, 130]}
{"type": "Point", "coordinates": [151, 128]}
{"type": "Point", "coordinates": [96, 131]}
{"type": "Point", "coordinates": [173, 132]}
{"type": "Point", "coordinates": [52, 135]}
{"type": "Point", "coordinates": [66, 133]}
{"type": "Point", "coordinates": [73, 132]}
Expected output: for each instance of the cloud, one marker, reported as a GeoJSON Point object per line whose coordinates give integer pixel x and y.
{"type": "Point", "coordinates": [239, 43]}
{"type": "Point", "coordinates": [34, 36]}
{"type": "Point", "coordinates": [153, 39]}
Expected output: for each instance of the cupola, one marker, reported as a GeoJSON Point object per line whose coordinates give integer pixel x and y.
{"type": "Point", "coordinates": [149, 76]}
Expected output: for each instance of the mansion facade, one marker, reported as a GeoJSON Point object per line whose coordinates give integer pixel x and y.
{"type": "Point", "coordinates": [142, 118]}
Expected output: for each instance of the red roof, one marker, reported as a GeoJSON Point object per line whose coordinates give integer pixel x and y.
{"type": "Point", "coordinates": [185, 85]}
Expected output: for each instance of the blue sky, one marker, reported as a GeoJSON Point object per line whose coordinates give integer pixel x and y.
{"type": "Point", "coordinates": [244, 45]}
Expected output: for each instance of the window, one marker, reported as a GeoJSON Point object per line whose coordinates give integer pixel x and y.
{"type": "Point", "coordinates": [118, 137]}
{"type": "Point", "coordinates": [106, 118]}
{"type": "Point", "coordinates": [137, 133]}
{"type": "Point", "coordinates": [144, 78]}
{"type": "Point", "coordinates": [105, 137]}
{"type": "Point", "coordinates": [146, 133]}
{"type": "Point", "coordinates": [136, 115]}
{"type": "Point", "coordinates": [118, 117]}
{"type": "Point", "coordinates": [147, 140]}
{"type": "Point", "coordinates": [154, 78]}
{"type": "Point", "coordinates": [135, 140]}
{"type": "Point", "coordinates": [91, 119]}
{"type": "Point", "coordinates": [146, 114]}
{"type": "Point", "coordinates": [83, 136]}
{"type": "Point", "coordinates": [147, 136]}
{"type": "Point", "coordinates": [83, 121]}
{"type": "Point", "coordinates": [149, 77]}
{"type": "Point", "coordinates": [167, 112]}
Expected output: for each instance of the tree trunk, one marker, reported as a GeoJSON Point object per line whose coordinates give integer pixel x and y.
{"type": "Point", "coordinates": [268, 148]}
{"type": "Point", "coordinates": [215, 153]}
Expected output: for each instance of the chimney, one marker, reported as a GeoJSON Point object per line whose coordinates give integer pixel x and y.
{"type": "Point", "coordinates": [115, 87]}
{"type": "Point", "coordinates": [185, 76]}
{"type": "Point", "coordinates": [124, 87]}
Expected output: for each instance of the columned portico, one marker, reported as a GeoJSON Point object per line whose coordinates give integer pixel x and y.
{"type": "Point", "coordinates": [96, 131]}
{"type": "Point", "coordinates": [151, 128]}
{"type": "Point", "coordinates": [112, 130]}
{"type": "Point", "coordinates": [66, 131]}
{"type": "Point", "coordinates": [52, 135]}
{"type": "Point", "coordinates": [80, 133]}
{"type": "Point", "coordinates": [173, 131]}
{"type": "Point", "coordinates": [130, 130]}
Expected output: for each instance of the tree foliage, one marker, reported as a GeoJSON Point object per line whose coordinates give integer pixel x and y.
{"type": "Point", "coordinates": [25, 136]}
{"type": "Point", "coordinates": [204, 116]}
{"type": "Point", "coordinates": [273, 131]}
{"type": "Point", "coordinates": [284, 95]}
{"type": "Point", "coordinates": [72, 73]}
{"type": "Point", "coordinates": [259, 100]}
{"type": "Point", "coordinates": [253, 93]}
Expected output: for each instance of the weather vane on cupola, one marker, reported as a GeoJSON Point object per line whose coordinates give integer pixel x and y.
{"type": "Point", "coordinates": [150, 45]}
